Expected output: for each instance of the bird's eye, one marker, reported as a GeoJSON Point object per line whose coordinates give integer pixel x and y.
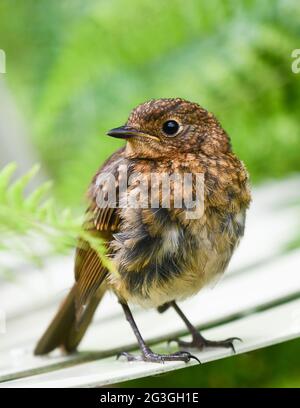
{"type": "Point", "coordinates": [170, 127]}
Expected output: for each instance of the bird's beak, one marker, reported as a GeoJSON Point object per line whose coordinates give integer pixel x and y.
{"type": "Point", "coordinates": [126, 132]}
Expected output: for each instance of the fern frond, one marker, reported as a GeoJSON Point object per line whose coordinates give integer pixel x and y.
{"type": "Point", "coordinates": [32, 225]}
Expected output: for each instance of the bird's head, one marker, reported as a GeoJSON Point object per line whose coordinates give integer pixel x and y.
{"type": "Point", "coordinates": [164, 127]}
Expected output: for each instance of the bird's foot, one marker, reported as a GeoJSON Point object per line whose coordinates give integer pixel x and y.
{"type": "Point", "coordinates": [149, 356]}
{"type": "Point", "coordinates": [201, 343]}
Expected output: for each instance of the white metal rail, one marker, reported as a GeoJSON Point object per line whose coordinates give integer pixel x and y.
{"type": "Point", "coordinates": [258, 300]}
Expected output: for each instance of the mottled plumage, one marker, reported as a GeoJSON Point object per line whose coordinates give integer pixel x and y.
{"type": "Point", "coordinates": [159, 254]}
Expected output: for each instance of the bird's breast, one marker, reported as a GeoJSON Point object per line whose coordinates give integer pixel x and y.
{"type": "Point", "coordinates": [159, 259]}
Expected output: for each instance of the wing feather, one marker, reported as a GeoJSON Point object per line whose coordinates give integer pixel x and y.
{"type": "Point", "coordinates": [90, 273]}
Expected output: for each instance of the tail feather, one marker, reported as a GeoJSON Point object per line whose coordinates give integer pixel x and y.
{"type": "Point", "coordinates": [65, 331]}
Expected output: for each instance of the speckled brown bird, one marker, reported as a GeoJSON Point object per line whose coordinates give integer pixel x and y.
{"type": "Point", "coordinates": [158, 255]}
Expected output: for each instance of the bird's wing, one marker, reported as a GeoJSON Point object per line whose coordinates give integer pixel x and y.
{"type": "Point", "coordinates": [90, 273]}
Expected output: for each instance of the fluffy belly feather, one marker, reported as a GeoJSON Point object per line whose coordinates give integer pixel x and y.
{"type": "Point", "coordinates": [176, 262]}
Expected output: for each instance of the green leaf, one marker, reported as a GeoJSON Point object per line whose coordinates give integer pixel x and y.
{"type": "Point", "coordinates": [5, 176]}
{"type": "Point", "coordinates": [37, 196]}
{"type": "Point", "coordinates": [16, 191]}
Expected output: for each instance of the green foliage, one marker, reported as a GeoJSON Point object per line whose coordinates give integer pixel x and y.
{"type": "Point", "coordinates": [32, 225]}
{"type": "Point", "coordinates": [100, 59]}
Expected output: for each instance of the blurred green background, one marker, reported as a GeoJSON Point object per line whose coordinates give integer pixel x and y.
{"type": "Point", "coordinates": [76, 69]}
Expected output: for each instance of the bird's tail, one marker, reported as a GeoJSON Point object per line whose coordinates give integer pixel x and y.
{"type": "Point", "coordinates": [65, 330]}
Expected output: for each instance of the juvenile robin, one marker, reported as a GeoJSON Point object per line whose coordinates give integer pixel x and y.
{"type": "Point", "coordinates": [159, 254]}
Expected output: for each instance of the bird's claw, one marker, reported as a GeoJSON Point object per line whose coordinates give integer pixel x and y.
{"type": "Point", "coordinates": [150, 356]}
{"type": "Point", "coordinates": [200, 343]}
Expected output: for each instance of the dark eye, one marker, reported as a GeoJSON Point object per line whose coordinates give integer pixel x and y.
{"type": "Point", "coordinates": [170, 127]}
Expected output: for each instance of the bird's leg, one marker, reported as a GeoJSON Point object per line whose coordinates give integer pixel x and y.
{"type": "Point", "coordinates": [198, 341]}
{"type": "Point", "coordinates": [164, 307]}
{"type": "Point", "coordinates": [147, 353]}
